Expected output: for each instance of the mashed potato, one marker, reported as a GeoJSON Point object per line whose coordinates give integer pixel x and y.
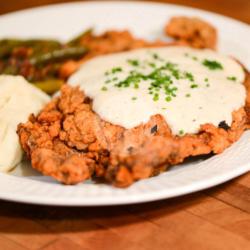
{"type": "Point", "coordinates": [18, 99]}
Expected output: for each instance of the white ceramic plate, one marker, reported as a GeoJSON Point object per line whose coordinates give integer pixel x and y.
{"type": "Point", "coordinates": [145, 20]}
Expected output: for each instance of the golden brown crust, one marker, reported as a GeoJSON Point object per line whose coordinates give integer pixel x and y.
{"type": "Point", "coordinates": [194, 31]}
{"type": "Point", "coordinates": [163, 149]}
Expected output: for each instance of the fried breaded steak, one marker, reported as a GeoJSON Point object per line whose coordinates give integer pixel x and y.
{"type": "Point", "coordinates": [71, 143]}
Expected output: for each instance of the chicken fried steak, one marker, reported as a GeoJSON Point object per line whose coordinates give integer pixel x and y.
{"type": "Point", "coordinates": [71, 143]}
{"type": "Point", "coordinates": [69, 140]}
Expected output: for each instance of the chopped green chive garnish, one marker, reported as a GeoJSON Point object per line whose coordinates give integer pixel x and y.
{"type": "Point", "coordinates": [156, 97]}
{"type": "Point", "coordinates": [152, 65]}
{"type": "Point", "coordinates": [192, 57]}
{"type": "Point", "coordinates": [189, 76]}
{"type": "Point", "coordinates": [207, 85]}
{"type": "Point", "coordinates": [104, 88]}
{"type": "Point", "coordinates": [232, 78]}
{"type": "Point", "coordinates": [172, 68]}
{"type": "Point", "coordinates": [168, 98]}
{"type": "Point", "coordinates": [181, 132]}
{"type": "Point", "coordinates": [155, 56]}
{"type": "Point", "coordinates": [194, 86]}
{"type": "Point", "coordinates": [188, 95]}
{"type": "Point", "coordinates": [108, 81]}
{"type": "Point", "coordinates": [115, 70]}
{"type": "Point", "coordinates": [134, 98]}
{"type": "Point", "coordinates": [206, 79]}
{"type": "Point", "coordinates": [136, 85]}
{"type": "Point", "coordinates": [133, 62]}
{"type": "Point", "coordinates": [160, 78]}
{"type": "Point", "coordinates": [212, 65]}
{"type": "Point", "coordinates": [163, 108]}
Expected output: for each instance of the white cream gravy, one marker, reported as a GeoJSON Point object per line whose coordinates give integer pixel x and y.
{"type": "Point", "coordinates": [215, 91]}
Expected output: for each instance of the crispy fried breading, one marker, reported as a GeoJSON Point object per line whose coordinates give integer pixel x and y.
{"type": "Point", "coordinates": [65, 132]}
{"type": "Point", "coordinates": [194, 31]}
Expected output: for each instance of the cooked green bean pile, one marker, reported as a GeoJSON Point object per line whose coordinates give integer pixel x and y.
{"type": "Point", "coordinates": [39, 60]}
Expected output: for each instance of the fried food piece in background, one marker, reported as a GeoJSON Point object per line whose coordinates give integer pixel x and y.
{"type": "Point", "coordinates": [108, 42]}
{"type": "Point", "coordinates": [194, 31]}
{"type": "Point", "coordinates": [188, 31]}
{"type": "Point", "coordinates": [111, 41]}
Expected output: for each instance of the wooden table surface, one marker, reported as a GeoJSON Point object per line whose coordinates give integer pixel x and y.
{"type": "Point", "coordinates": [217, 218]}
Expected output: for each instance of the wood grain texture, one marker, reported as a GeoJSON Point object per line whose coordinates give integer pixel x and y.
{"type": "Point", "coordinates": [204, 220]}
{"type": "Point", "coordinates": [217, 218]}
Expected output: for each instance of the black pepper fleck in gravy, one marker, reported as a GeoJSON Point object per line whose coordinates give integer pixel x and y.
{"type": "Point", "coordinates": [224, 125]}
{"type": "Point", "coordinates": [154, 129]}
{"type": "Point", "coordinates": [130, 149]}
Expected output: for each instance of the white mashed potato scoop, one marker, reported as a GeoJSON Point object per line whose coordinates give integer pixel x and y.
{"type": "Point", "coordinates": [18, 99]}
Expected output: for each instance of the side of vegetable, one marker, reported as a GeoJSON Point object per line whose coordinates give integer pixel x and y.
{"type": "Point", "coordinates": [39, 61]}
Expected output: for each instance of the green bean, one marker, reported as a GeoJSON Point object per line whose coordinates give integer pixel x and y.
{"type": "Point", "coordinates": [10, 70]}
{"type": "Point", "coordinates": [49, 86]}
{"type": "Point", "coordinates": [76, 41]}
{"type": "Point", "coordinates": [28, 42]}
{"type": "Point", "coordinates": [58, 55]}
{"type": "Point", "coordinates": [7, 45]}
